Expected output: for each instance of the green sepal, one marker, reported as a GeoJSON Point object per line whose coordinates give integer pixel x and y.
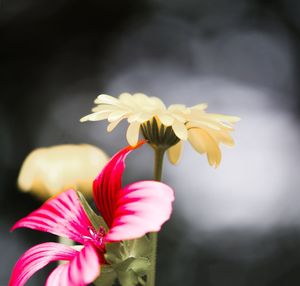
{"type": "Point", "coordinates": [138, 265]}
{"type": "Point", "coordinates": [97, 221]}
{"type": "Point", "coordinates": [129, 259]}
{"type": "Point", "coordinates": [107, 277]}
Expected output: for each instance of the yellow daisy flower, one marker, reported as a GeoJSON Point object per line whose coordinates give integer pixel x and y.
{"type": "Point", "coordinates": [48, 171]}
{"type": "Point", "coordinates": [164, 127]}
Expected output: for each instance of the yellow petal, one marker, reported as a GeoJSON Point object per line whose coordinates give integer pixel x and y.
{"type": "Point", "coordinates": [226, 118]}
{"type": "Point", "coordinates": [205, 123]}
{"type": "Point", "coordinates": [47, 171]}
{"type": "Point", "coordinates": [222, 136]}
{"type": "Point", "coordinates": [180, 130]}
{"type": "Point", "coordinates": [132, 133]}
{"type": "Point", "coordinates": [201, 106]}
{"type": "Point", "coordinates": [202, 142]}
{"type": "Point", "coordinates": [174, 152]}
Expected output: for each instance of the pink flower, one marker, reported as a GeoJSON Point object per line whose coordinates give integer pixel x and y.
{"type": "Point", "coordinates": [130, 213]}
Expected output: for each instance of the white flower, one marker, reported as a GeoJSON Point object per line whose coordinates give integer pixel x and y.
{"type": "Point", "coordinates": [166, 127]}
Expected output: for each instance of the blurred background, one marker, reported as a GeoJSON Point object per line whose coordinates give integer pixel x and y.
{"type": "Point", "coordinates": [238, 225]}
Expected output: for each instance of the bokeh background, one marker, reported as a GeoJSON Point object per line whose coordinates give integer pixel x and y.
{"type": "Point", "coordinates": [238, 225]}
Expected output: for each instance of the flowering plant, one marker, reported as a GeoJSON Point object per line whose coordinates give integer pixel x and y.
{"type": "Point", "coordinates": [121, 243]}
{"type": "Point", "coordinates": [127, 214]}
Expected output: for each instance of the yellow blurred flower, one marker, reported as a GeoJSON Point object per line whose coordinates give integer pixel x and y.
{"type": "Point", "coordinates": [166, 127]}
{"type": "Point", "coordinates": [48, 171]}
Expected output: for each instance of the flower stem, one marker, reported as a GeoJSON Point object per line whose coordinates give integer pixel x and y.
{"type": "Point", "coordinates": [158, 164]}
{"type": "Point", "coordinates": [65, 241]}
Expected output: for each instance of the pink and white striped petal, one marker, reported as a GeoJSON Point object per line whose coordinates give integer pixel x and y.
{"type": "Point", "coordinates": [82, 270]}
{"type": "Point", "coordinates": [141, 207]}
{"type": "Point", "coordinates": [62, 215]}
{"type": "Point", "coordinates": [36, 258]}
{"type": "Point", "coordinates": [109, 183]}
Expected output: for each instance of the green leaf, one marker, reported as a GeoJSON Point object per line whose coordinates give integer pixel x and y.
{"type": "Point", "coordinates": [96, 220]}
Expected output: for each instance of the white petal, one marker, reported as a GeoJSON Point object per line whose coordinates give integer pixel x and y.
{"type": "Point", "coordinates": [157, 102]}
{"type": "Point", "coordinates": [132, 133]}
{"type": "Point", "coordinates": [144, 116]}
{"type": "Point", "coordinates": [174, 152]}
{"type": "Point", "coordinates": [165, 119]}
{"type": "Point", "coordinates": [106, 99]}
{"type": "Point", "coordinates": [95, 116]}
{"type": "Point", "coordinates": [105, 107]}
{"type": "Point", "coordinates": [111, 126]}
{"type": "Point", "coordinates": [116, 115]}
{"type": "Point", "coordinates": [177, 107]}
{"type": "Point", "coordinates": [180, 130]}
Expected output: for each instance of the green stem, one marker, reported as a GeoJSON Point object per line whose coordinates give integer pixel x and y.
{"type": "Point", "coordinates": [65, 241]}
{"type": "Point", "coordinates": [158, 164]}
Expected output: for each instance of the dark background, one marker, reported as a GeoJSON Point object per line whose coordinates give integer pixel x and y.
{"type": "Point", "coordinates": [234, 226]}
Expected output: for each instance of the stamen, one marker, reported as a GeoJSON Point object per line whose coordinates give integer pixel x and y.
{"type": "Point", "coordinates": [96, 236]}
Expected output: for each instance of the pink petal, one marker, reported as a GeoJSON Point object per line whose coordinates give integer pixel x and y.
{"type": "Point", "coordinates": [62, 215]}
{"type": "Point", "coordinates": [36, 258]}
{"type": "Point", "coordinates": [109, 183]}
{"type": "Point", "coordinates": [141, 207]}
{"type": "Point", "coordinates": [83, 269]}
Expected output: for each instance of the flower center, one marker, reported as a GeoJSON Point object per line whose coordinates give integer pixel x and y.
{"type": "Point", "coordinates": [97, 237]}
{"type": "Point", "coordinates": [159, 135]}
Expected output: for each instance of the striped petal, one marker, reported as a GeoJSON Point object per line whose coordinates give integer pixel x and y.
{"type": "Point", "coordinates": [82, 270]}
{"type": "Point", "coordinates": [62, 215]}
{"type": "Point", "coordinates": [109, 182]}
{"type": "Point", "coordinates": [38, 257]}
{"type": "Point", "coordinates": [141, 207]}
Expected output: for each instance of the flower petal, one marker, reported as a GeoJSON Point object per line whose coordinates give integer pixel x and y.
{"type": "Point", "coordinates": [165, 119]}
{"type": "Point", "coordinates": [141, 207]}
{"type": "Point", "coordinates": [36, 258]}
{"type": "Point", "coordinates": [106, 99]}
{"type": "Point", "coordinates": [99, 115]}
{"type": "Point", "coordinates": [132, 133]}
{"type": "Point", "coordinates": [202, 142]}
{"type": "Point", "coordinates": [112, 125]}
{"type": "Point", "coordinates": [180, 130]}
{"type": "Point", "coordinates": [82, 270]}
{"type": "Point", "coordinates": [109, 183]}
{"type": "Point", "coordinates": [174, 152]}
{"type": "Point", "coordinates": [62, 215]}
